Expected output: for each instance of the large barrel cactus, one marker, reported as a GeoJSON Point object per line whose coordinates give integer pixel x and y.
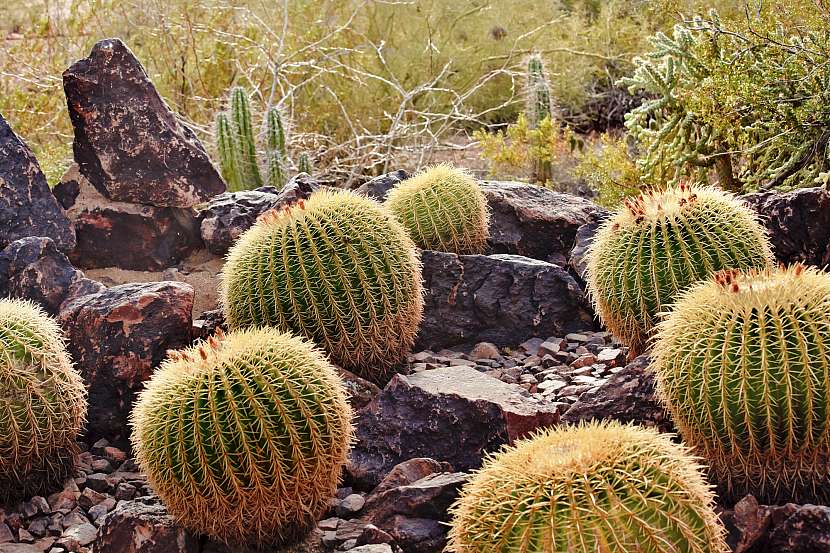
{"type": "Point", "coordinates": [743, 364]}
{"type": "Point", "coordinates": [444, 209]}
{"type": "Point", "coordinates": [337, 269]}
{"type": "Point", "coordinates": [660, 244]}
{"type": "Point", "coordinates": [584, 489]}
{"type": "Point", "coordinates": [42, 403]}
{"type": "Point", "coordinates": [244, 437]}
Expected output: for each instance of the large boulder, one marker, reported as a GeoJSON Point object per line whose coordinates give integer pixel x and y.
{"type": "Point", "coordinates": [116, 338]}
{"type": "Point", "coordinates": [128, 142]}
{"type": "Point", "coordinates": [379, 187]}
{"type": "Point", "coordinates": [504, 299]}
{"type": "Point", "coordinates": [143, 527]}
{"type": "Point", "coordinates": [27, 207]}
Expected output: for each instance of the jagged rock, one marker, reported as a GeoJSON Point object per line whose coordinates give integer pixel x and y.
{"type": "Point", "coordinates": [34, 269]}
{"type": "Point", "coordinates": [578, 259]}
{"type": "Point", "coordinates": [452, 414]}
{"type": "Point", "coordinates": [208, 323]}
{"type": "Point", "coordinates": [230, 214]}
{"type": "Point", "coordinates": [789, 528]}
{"type": "Point", "coordinates": [137, 527]}
{"type": "Point", "coordinates": [27, 207]}
{"type": "Point", "coordinates": [360, 391]}
{"type": "Point", "coordinates": [125, 235]}
{"type": "Point", "coordinates": [807, 530]}
{"type": "Point", "coordinates": [128, 143]}
{"type": "Point", "coordinates": [116, 338]}
{"type": "Point", "coordinates": [504, 299]}
{"type": "Point", "coordinates": [379, 187]}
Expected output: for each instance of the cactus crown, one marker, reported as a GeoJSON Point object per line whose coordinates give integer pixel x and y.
{"type": "Point", "coordinates": [443, 208]}
{"type": "Point", "coordinates": [595, 487]}
{"type": "Point", "coordinates": [244, 437]}
{"type": "Point", "coordinates": [742, 363]}
{"type": "Point", "coordinates": [661, 243]}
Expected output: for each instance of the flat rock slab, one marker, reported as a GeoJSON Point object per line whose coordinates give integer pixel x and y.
{"type": "Point", "coordinates": [128, 142]}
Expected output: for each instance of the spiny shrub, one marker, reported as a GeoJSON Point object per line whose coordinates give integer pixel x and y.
{"type": "Point", "coordinates": [244, 437]}
{"type": "Point", "coordinates": [588, 488]}
{"type": "Point", "coordinates": [42, 403]}
{"type": "Point", "coordinates": [660, 244]}
{"type": "Point", "coordinates": [742, 363]}
{"type": "Point", "coordinates": [443, 208]}
{"type": "Point", "coordinates": [337, 269]}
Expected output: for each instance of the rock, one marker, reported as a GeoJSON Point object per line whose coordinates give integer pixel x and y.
{"type": "Point", "coordinates": [230, 214]}
{"type": "Point", "coordinates": [798, 223]}
{"type": "Point", "coordinates": [116, 338]}
{"type": "Point", "coordinates": [208, 323]}
{"type": "Point", "coordinates": [807, 530]}
{"type": "Point", "coordinates": [410, 471]}
{"type": "Point", "coordinates": [78, 536]}
{"type": "Point", "coordinates": [128, 143]}
{"type": "Point", "coordinates": [158, 236]}
{"type": "Point", "coordinates": [34, 268]}
{"type": "Point", "coordinates": [372, 548]}
{"type": "Point", "coordinates": [503, 299]}
{"type": "Point", "coordinates": [379, 187]}
{"type": "Point", "coordinates": [6, 535]}
{"type": "Point", "coordinates": [578, 258]}
{"type": "Point", "coordinates": [430, 497]}
{"type": "Point", "coordinates": [27, 207]}
{"type": "Point", "coordinates": [136, 527]}
{"type": "Point", "coordinates": [789, 528]}
{"type": "Point", "coordinates": [350, 505]}
{"type": "Point", "coordinates": [485, 350]}
{"type": "Point", "coordinates": [534, 221]}
{"type": "Point", "coordinates": [360, 391]}
{"type": "Point", "coordinates": [452, 414]}
{"type": "Point", "coordinates": [19, 548]}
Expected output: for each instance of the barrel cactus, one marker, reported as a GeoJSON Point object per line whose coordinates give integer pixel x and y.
{"type": "Point", "coordinates": [42, 403]}
{"type": "Point", "coordinates": [244, 437]}
{"type": "Point", "coordinates": [581, 489]}
{"type": "Point", "coordinates": [443, 208]}
{"type": "Point", "coordinates": [743, 362]}
{"type": "Point", "coordinates": [337, 269]}
{"type": "Point", "coordinates": [660, 244]}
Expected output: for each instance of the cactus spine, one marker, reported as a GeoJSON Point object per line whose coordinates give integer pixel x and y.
{"type": "Point", "coordinates": [42, 403]}
{"type": "Point", "coordinates": [582, 489]}
{"type": "Point", "coordinates": [660, 244]}
{"type": "Point", "coordinates": [742, 363]}
{"type": "Point", "coordinates": [244, 437]}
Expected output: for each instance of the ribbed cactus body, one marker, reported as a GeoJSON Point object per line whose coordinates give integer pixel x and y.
{"type": "Point", "coordinates": [444, 209]}
{"type": "Point", "coordinates": [276, 153]}
{"type": "Point", "coordinates": [244, 130]}
{"type": "Point", "coordinates": [537, 92]}
{"type": "Point", "coordinates": [743, 364]}
{"type": "Point", "coordinates": [337, 269]}
{"type": "Point", "coordinates": [244, 438]}
{"type": "Point", "coordinates": [42, 403]}
{"type": "Point", "coordinates": [660, 244]}
{"type": "Point", "coordinates": [304, 164]}
{"type": "Point", "coordinates": [229, 162]}
{"type": "Point", "coordinates": [583, 489]}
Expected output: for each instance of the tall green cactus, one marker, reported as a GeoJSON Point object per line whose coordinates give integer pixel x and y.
{"type": "Point", "coordinates": [304, 164]}
{"type": "Point", "coordinates": [338, 269]}
{"type": "Point", "coordinates": [276, 152]}
{"type": "Point", "coordinates": [743, 364]}
{"type": "Point", "coordinates": [42, 403]}
{"type": "Point", "coordinates": [537, 92]}
{"type": "Point", "coordinates": [602, 487]}
{"type": "Point", "coordinates": [660, 244]}
{"type": "Point", "coordinates": [244, 133]}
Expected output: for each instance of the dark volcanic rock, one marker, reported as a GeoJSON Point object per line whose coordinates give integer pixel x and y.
{"type": "Point", "coordinates": [208, 323]}
{"type": "Point", "coordinates": [578, 260]}
{"type": "Point", "coordinates": [790, 528]}
{"type": "Point", "coordinates": [504, 299]}
{"type": "Point", "coordinates": [128, 143]}
{"type": "Point", "coordinates": [116, 338]}
{"type": "Point", "coordinates": [807, 530]}
{"type": "Point", "coordinates": [137, 527]}
{"type": "Point", "coordinates": [27, 207]}
{"type": "Point", "coordinates": [232, 213]}
{"type": "Point", "coordinates": [379, 187]}
{"type": "Point", "coordinates": [34, 269]}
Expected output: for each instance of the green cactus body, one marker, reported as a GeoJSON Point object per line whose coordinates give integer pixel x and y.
{"type": "Point", "coordinates": [537, 92]}
{"type": "Point", "coordinates": [583, 489]}
{"type": "Point", "coordinates": [276, 153]}
{"type": "Point", "coordinates": [229, 161]}
{"type": "Point", "coordinates": [244, 131]}
{"type": "Point", "coordinates": [244, 438]}
{"type": "Point", "coordinates": [337, 269]}
{"type": "Point", "coordinates": [743, 364]}
{"type": "Point", "coordinates": [443, 208]}
{"type": "Point", "coordinates": [304, 164]}
{"type": "Point", "coordinates": [42, 403]}
{"type": "Point", "coordinates": [660, 244]}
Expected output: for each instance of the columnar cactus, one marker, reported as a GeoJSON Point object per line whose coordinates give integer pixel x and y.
{"type": "Point", "coordinates": [443, 208]}
{"type": "Point", "coordinates": [537, 92]}
{"type": "Point", "coordinates": [42, 403]}
{"type": "Point", "coordinates": [244, 134]}
{"type": "Point", "coordinates": [244, 437]}
{"type": "Point", "coordinates": [337, 269]}
{"type": "Point", "coordinates": [743, 362]}
{"type": "Point", "coordinates": [304, 164]}
{"type": "Point", "coordinates": [660, 244]}
{"type": "Point", "coordinates": [582, 489]}
{"type": "Point", "coordinates": [276, 154]}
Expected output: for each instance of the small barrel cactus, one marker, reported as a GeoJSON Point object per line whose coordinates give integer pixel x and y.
{"type": "Point", "coordinates": [337, 269]}
{"type": "Point", "coordinates": [660, 244]}
{"type": "Point", "coordinates": [444, 209]}
{"type": "Point", "coordinates": [244, 437]}
{"type": "Point", "coordinates": [42, 403]}
{"type": "Point", "coordinates": [743, 362]}
{"type": "Point", "coordinates": [583, 489]}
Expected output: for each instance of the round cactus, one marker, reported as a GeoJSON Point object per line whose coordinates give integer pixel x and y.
{"type": "Point", "coordinates": [743, 362]}
{"type": "Point", "coordinates": [42, 403]}
{"type": "Point", "coordinates": [587, 488]}
{"type": "Point", "coordinates": [337, 269]}
{"type": "Point", "coordinates": [244, 437]}
{"type": "Point", "coordinates": [660, 244]}
{"type": "Point", "coordinates": [444, 209]}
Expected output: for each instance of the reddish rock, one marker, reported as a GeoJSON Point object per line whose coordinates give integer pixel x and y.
{"type": "Point", "coordinates": [359, 390]}
{"type": "Point", "coordinates": [137, 527]}
{"type": "Point", "coordinates": [789, 528]}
